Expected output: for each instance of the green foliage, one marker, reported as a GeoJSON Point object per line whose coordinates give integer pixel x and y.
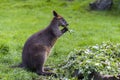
{"type": "Point", "coordinates": [104, 58]}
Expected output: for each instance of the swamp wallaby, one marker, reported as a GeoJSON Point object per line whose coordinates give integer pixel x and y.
{"type": "Point", "coordinates": [38, 46]}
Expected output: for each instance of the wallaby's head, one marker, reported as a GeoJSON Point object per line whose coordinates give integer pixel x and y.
{"type": "Point", "coordinates": [61, 21]}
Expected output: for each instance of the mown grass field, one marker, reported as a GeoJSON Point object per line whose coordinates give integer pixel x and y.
{"type": "Point", "coordinates": [21, 18]}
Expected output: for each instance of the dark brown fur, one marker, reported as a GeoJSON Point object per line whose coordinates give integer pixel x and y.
{"type": "Point", "coordinates": [38, 46]}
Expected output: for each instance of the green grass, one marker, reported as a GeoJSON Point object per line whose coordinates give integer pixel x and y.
{"type": "Point", "coordinates": [21, 18]}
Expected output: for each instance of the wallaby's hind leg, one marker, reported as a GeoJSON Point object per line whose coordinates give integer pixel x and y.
{"type": "Point", "coordinates": [40, 68]}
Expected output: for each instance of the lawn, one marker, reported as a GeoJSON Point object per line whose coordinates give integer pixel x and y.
{"type": "Point", "coordinates": [19, 19]}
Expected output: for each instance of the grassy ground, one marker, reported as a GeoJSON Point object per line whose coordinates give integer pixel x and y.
{"type": "Point", "coordinates": [21, 18]}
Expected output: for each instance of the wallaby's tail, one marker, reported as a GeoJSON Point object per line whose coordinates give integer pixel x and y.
{"type": "Point", "coordinates": [17, 66]}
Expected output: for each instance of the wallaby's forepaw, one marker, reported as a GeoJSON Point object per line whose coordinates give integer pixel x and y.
{"type": "Point", "coordinates": [64, 30]}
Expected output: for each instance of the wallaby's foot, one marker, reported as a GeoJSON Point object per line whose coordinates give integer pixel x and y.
{"type": "Point", "coordinates": [47, 69]}
{"type": "Point", "coordinates": [46, 74]}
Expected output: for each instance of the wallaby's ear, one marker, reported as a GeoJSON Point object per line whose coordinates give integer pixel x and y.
{"type": "Point", "coordinates": [55, 14]}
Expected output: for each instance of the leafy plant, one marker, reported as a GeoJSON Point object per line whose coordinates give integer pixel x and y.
{"type": "Point", "coordinates": [104, 58]}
